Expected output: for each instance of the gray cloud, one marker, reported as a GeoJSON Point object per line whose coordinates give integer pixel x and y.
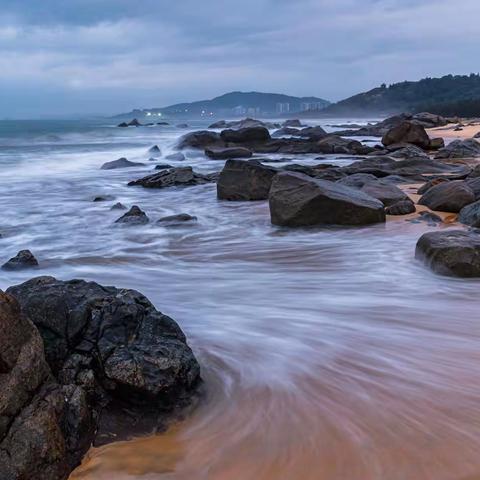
{"type": "Point", "coordinates": [107, 56]}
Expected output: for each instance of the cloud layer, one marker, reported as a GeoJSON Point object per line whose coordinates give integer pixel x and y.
{"type": "Point", "coordinates": [86, 56]}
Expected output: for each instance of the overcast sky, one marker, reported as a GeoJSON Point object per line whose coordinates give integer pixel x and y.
{"type": "Point", "coordinates": [70, 57]}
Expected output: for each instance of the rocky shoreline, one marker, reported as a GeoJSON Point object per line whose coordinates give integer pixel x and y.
{"type": "Point", "coordinates": [83, 364]}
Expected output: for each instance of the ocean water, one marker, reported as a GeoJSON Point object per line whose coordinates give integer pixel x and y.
{"type": "Point", "coordinates": [327, 353]}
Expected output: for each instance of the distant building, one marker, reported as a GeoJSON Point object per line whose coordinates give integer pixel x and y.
{"type": "Point", "coordinates": [239, 111]}
{"type": "Point", "coordinates": [311, 106]}
{"type": "Point", "coordinates": [282, 108]}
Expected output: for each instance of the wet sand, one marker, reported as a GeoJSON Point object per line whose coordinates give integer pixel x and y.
{"type": "Point", "coordinates": [448, 132]}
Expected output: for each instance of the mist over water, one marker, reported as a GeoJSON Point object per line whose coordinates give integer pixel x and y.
{"type": "Point", "coordinates": [327, 353]}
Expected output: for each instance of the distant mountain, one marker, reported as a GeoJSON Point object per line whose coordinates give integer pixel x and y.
{"type": "Point", "coordinates": [237, 104]}
{"type": "Point", "coordinates": [449, 95]}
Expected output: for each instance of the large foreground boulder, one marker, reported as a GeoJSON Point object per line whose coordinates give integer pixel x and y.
{"type": "Point", "coordinates": [298, 200]}
{"type": "Point", "coordinates": [245, 180]}
{"type": "Point", "coordinates": [448, 196]}
{"type": "Point", "coordinates": [115, 345]}
{"type": "Point", "coordinates": [451, 252]}
{"type": "Point", "coordinates": [407, 132]}
{"type": "Point", "coordinates": [173, 177]}
{"type": "Point", "coordinates": [45, 428]}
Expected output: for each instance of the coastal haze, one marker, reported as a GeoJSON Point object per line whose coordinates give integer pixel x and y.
{"type": "Point", "coordinates": [328, 349]}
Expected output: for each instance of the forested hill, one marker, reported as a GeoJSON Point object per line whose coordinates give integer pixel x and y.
{"type": "Point", "coordinates": [449, 95]}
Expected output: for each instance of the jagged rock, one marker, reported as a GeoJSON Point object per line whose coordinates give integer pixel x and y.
{"type": "Point", "coordinates": [448, 196]}
{"type": "Point", "coordinates": [135, 216]}
{"type": "Point", "coordinates": [403, 207]}
{"type": "Point", "coordinates": [298, 200]}
{"type": "Point", "coordinates": [407, 132]}
{"type": "Point", "coordinates": [460, 149]}
{"type": "Point", "coordinates": [176, 220]}
{"type": "Point", "coordinates": [245, 180]}
{"type": "Point", "coordinates": [22, 260]}
{"type": "Point", "coordinates": [200, 139]}
{"type": "Point", "coordinates": [155, 149]}
{"type": "Point", "coordinates": [176, 157]}
{"type": "Point", "coordinates": [452, 252]}
{"type": "Point", "coordinates": [130, 358]}
{"type": "Point", "coordinates": [118, 206]}
{"type": "Point", "coordinates": [174, 177]}
{"type": "Point", "coordinates": [229, 152]}
{"type": "Point", "coordinates": [120, 163]}
{"type": "Point", "coordinates": [248, 135]}
{"type": "Point", "coordinates": [45, 428]}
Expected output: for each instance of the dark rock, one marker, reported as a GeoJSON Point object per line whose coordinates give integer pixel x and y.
{"type": "Point", "coordinates": [174, 177]}
{"type": "Point", "coordinates": [248, 135]}
{"type": "Point", "coordinates": [134, 123]}
{"type": "Point", "coordinates": [460, 149]}
{"type": "Point", "coordinates": [387, 193]}
{"type": "Point", "coordinates": [298, 200]}
{"type": "Point", "coordinates": [474, 184]}
{"type": "Point", "coordinates": [45, 428]}
{"type": "Point", "coordinates": [413, 168]}
{"type": "Point", "coordinates": [294, 122]}
{"type": "Point", "coordinates": [403, 207]}
{"type": "Point", "coordinates": [431, 183]}
{"type": "Point", "coordinates": [448, 196]}
{"type": "Point", "coordinates": [118, 206]}
{"type": "Point", "coordinates": [452, 252]}
{"type": "Point", "coordinates": [176, 157]}
{"type": "Point", "coordinates": [135, 216]}
{"type": "Point", "coordinates": [23, 260]}
{"type": "Point", "coordinates": [430, 217]}
{"type": "Point", "coordinates": [182, 125]}
{"type": "Point", "coordinates": [285, 131]}
{"type": "Point", "coordinates": [335, 144]}
{"type": "Point", "coordinates": [245, 123]}
{"type": "Point", "coordinates": [437, 143]}
{"type": "Point", "coordinates": [123, 125]}
{"type": "Point", "coordinates": [200, 139]}
{"type": "Point", "coordinates": [113, 343]}
{"type": "Point", "coordinates": [229, 152]}
{"type": "Point", "coordinates": [475, 172]}
{"type": "Point", "coordinates": [175, 220]}
{"type": "Point", "coordinates": [470, 215]}
{"type": "Point", "coordinates": [162, 123]}
{"type": "Point", "coordinates": [163, 166]}
{"type": "Point", "coordinates": [407, 132]}
{"type": "Point", "coordinates": [120, 163]}
{"type": "Point", "coordinates": [103, 198]}
{"type": "Point", "coordinates": [409, 151]}
{"type": "Point", "coordinates": [313, 133]}
{"type": "Point", "coordinates": [155, 149]}
{"type": "Point", "coordinates": [245, 180]}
